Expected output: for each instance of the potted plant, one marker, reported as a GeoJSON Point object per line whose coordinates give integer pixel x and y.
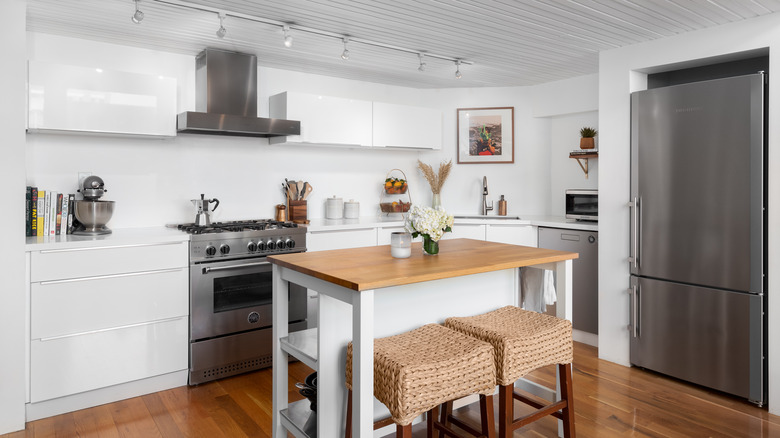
{"type": "Point", "coordinates": [588, 141]}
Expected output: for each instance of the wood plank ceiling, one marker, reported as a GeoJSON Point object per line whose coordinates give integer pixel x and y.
{"type": "Point", "coordinates": [510, 42]}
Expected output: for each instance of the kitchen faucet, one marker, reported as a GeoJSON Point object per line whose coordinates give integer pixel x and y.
{"type": "Point", "coordinates": [485, 207]}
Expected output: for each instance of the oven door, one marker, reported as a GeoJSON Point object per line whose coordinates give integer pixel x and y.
{"type": "Point", "coordinates": [235, 296]}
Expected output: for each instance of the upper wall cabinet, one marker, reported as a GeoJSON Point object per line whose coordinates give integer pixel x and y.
{"type": "Point", "coordinates": [406, 126]}
{"type": "Point", "coordinates": [324, 120]}
{"type": "Point", "coordinates": [91, 100]}
{"type": "Point", "coordinates": [336, 121]}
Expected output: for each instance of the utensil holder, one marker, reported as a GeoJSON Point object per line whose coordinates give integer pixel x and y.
{"type": "Point", "coordinates": [297, 211]}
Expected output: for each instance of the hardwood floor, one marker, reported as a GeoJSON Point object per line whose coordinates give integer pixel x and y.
{"type": "Point", "coordinates": [610, 401]}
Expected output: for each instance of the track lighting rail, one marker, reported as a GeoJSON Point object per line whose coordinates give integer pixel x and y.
{"type": "Point", "coordinates": [325, 33]}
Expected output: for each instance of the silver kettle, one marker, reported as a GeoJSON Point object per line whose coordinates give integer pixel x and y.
{"type": "Point", "coordinates": [204, 209]}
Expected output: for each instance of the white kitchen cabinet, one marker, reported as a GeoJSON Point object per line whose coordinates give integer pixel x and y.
{"type": "Point", "coordinates": [340, 239]}
{"type": "Point", "coordinates": [105, 316]}
{"type": "Point", "coordinates": [325, 120]}
{"type": "Point", "coordinates": [406, 126]}
{"type": "Point", "coordinates": [383, 234]}
{"type": "Point", "coordinates": [525, 235]}
{"type": "Point", "coordinates": [73, 364]}
{"type": "Point", "coordinates": [70, 98]}
{"type": "Point", "coordinates": [466, 231]}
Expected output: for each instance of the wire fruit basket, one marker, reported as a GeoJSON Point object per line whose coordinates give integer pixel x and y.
{"type": "Point", "coordinates": [394, 185]}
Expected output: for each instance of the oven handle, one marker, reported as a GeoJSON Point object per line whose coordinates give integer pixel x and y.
{"type": "Point", "coordinates": [208, 269]}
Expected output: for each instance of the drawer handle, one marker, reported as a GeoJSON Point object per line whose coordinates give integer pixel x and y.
{"type": "Point", "coordinates": [101, 277]}
{"type": "Point", "coordinates": [140, 324]}
{"type": "Point", "coordinates": [91, 248]}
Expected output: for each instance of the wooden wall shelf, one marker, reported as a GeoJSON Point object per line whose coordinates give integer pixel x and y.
{"type": "Point", "coordinates": [584, 157]}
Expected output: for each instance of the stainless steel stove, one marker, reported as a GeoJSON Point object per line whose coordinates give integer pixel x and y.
{"type": "Point", "coordinates": [231, 294]}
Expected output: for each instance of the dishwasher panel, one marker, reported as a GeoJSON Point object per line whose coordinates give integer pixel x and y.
{"type": "Point", "coordinates": [585, 287]}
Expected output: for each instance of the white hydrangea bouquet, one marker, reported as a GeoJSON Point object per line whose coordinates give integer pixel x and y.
{"type": "Point", "coordinates": [431, 223]}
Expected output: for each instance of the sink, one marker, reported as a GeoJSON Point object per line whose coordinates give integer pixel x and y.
{"type": "Point", "coordinates": [486, 216]}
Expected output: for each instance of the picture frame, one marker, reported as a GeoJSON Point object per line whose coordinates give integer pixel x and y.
{"type": "Point", "coordinates": [486, 135]}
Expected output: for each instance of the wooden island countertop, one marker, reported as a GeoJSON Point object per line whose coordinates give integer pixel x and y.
{"type": "Point", "coordinates": [373, 267]}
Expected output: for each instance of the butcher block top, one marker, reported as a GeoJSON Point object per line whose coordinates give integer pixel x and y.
{"type": "Point", "coordinates": [373, 267]}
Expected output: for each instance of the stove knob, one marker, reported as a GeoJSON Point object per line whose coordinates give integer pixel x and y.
{"type": "Point", "coordinates": [280, 244]}
{"type": "Point", "coordinates": [210, 250]}
{"type": "Point", "coordinates": [261, 246]}
{"type": "Point", "coordinates": [251, 246]}
{"type": "Point", "coordinates": [224, 249]}
{"type": "Point", "coordinates": [271, 244]}
{"type": "Point", "coordinates": [289, 243]}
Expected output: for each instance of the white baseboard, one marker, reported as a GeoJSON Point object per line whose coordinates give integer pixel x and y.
{"type": "Point", "coordinates": [586, 338]}
{"type": "Point", "coordinates": [75, 402]}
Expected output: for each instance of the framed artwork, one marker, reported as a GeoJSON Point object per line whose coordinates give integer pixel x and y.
{"type": "Point", "coordinates": [486, 135]}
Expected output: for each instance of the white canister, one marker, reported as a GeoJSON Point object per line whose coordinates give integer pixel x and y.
{"type": "Point", "coordinates": [334, 208]}
{"type": "Point", "coordinates": [351, 209]}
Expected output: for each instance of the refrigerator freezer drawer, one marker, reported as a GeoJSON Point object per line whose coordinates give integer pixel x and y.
{"type": "Point", "coordinates": [706, 336]}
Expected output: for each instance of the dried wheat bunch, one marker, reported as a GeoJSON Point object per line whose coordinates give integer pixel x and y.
{"type": "Point", "coordinates": [436, 181]}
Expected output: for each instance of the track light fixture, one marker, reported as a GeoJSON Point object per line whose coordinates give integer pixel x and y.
{"type": "Point", "coordinates": [287, 28]}
{"type": "Point", "coordinates": [221, 32]}
{"type": "Point", "coordinates": [345, 53]}
{"type": "Point", "coordinates": [138, 17]}
{"type": "Point", "coordinates": [288, 40]}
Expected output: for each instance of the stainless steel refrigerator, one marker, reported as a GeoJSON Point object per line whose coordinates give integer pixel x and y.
{"type": "Point", "coordinates": [697, 233]}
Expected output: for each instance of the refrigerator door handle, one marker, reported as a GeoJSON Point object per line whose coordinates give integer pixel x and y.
{"type": "Point", "coordinates": [634, 325]}
{"type": "Point", "coordinates": [635, 233]}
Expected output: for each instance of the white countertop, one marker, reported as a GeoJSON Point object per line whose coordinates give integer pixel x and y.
{"type": "Point", "coordinates": [397, 220]}
{"type": "Point", "coordinates": [150, 235]}
{"type": "Point", "coordinates": [121, 236]}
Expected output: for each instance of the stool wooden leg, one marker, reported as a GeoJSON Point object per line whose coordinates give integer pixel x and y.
{"type": "Point", "coordinates": [486, 414]}
{"type": "Point", "coordinates": [348, 432]}
{"type": "Point", "coordinates": [431, 421]}
{"type": "Point", "coordinates": [403, 431]}
{"type": "Point", "coordinates": [567, 394]}
{"type": "Point", "coordinates": [446, 412]}
{"type": "Point", "coordinates": [506, 410]}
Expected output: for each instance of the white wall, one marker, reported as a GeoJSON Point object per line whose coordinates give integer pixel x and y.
{"type": "Point", "coordinates": [13, 77]}
{"type": "Point", "coordinates": [565, 173]}
{"type": "Point", "coordinates": [622, 71]}
{"type": "Point", "coordinates": [152, 181]}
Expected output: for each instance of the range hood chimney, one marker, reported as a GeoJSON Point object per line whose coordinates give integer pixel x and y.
{"type": "Point", "coordinates": [226, 99]}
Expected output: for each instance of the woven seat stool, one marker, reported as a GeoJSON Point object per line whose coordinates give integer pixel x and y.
{"type": "Point", "coordinates": [416, 371]}
{"type": "Point", "coordinates": [524, 341]}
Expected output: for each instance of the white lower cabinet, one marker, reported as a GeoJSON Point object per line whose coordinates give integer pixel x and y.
{"type": "Point", "coordinates": [123, 321]}
{"type": "Point", "coordinates": [525, 235]}
{"type": "Point", "coordinates": [383, 234]}
{"type": "Point", "coordinates": [76, 363]}
{"type": "Point", "coordinates": [466, 231]}
{"type": "Point", "coordinates": [340, 239]}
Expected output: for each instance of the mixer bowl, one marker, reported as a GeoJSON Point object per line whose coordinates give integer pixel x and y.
{"type": "Point", "coordinates": [94, 215]}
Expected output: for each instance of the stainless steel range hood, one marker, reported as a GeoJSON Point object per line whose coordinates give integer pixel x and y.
{"type": "Point", "coordinates": [226, 99]}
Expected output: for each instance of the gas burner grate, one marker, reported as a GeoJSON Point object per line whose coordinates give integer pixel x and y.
{"type": "Point", "coordinates": [236, 226]}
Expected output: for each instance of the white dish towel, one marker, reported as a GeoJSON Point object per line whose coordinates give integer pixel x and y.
{"type": "Point", "coordinates": [537, 289]}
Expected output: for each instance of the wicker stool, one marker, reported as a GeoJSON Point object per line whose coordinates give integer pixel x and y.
{"type": "Point", "coordinates": [416, 371]}
{"type": "Point", "coordinates": [524, 341]}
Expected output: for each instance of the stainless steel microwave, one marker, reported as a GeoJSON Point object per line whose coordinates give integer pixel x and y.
{"type": "Point", "coordinates": [582, 204]}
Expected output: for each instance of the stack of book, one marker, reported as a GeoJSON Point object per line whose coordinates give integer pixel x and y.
{"type": "Point", "coordinates": [48, 213]}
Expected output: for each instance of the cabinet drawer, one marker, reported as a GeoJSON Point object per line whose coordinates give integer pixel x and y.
{"type": "Point", "coordinates": [80, 305]}
{"type": "Point", "coordinates": [383, 234]}
{"type": "Point", "coordinates": [342, 239]}
{"type": "Point", "coordinates": [74, 364]}
{"type": "Point", "coordinates": [525, 235]}
{"type": "Point", "coordinates": [90, 262]}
